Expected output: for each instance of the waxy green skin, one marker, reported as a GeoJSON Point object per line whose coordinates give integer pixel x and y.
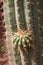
{"type": "Point", "coordinates": [21, 40]}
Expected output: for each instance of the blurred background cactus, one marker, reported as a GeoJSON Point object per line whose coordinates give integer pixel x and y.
{"type": "Point", "coordinates": [26, 15]}
{"type": "Point", "coordinates": [3, 45]}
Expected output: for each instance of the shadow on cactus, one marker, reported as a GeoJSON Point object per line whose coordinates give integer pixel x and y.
{"type": "Point", "coordinates": [21, 39]}
{"type": "Point", "coordinates": [2, 48]}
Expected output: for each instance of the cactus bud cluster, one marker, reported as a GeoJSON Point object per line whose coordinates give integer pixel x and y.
{"type": "Point", "coordinates": [21, 39]}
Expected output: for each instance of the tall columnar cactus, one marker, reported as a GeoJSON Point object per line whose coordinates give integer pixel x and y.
{"type": "Point", "coordinates": [8, 32]}
{"type": "Point", "coordinates": [3, 47]}
{"type": "Point", "coordinates": [40, 20]}
{"type": "Point", "coordinates": [20, 7]}
{"type": "Point", "coordinates": [2, 27]}
{"type": "Point", "coordinates": [23, 18]}
{"type": "Point", "coordinates": [20, 21]}
{"type": "Point", "coordinates": [37, 18]}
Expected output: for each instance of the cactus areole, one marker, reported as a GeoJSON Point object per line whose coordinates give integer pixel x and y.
{"type": "Point", "coordinates": [21, 39]}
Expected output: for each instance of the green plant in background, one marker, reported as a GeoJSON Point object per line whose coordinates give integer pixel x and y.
{"type": "Point", "coordinates": [2, 47]}
{"type": "Point", "coordinates": [21, 39]}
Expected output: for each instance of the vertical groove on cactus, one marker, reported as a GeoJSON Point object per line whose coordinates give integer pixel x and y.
{"type": "Point", "coordinates": [17, 15]}
{"type": "Point", "coordinates": [8, 34]}
{"type": "Point", "coordinates": [27, 10]}
{"type": "Point", "coordinates": [36, 32]}
{"type": "Point", "coordinates": [22, 57]}
{"type": "Point", "coordinates": [27, 13]}
{"type": "Point", "coordinates": [12, 15]}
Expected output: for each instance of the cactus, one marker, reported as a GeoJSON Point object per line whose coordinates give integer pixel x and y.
{"type": "Point", "coordinates": [3, 47]}
{"type": "Point", "coordinates": [21, 39]}
{"type": "Point", "coordinates": [20, 15]}
{"type": "Point", "coordinates": [21, 42]}
{"type": "Point", "coordinates": [2, 27]}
